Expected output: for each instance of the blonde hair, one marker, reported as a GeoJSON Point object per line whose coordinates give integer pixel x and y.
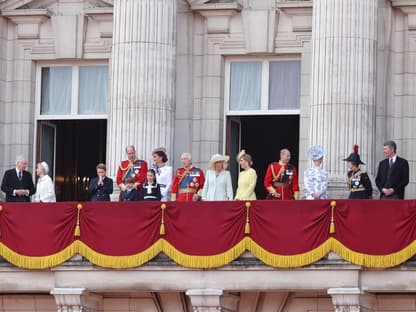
{"type": "Point", "coordinates": [248, 158]}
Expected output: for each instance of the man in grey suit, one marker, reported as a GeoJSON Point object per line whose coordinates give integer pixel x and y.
{"type": "Point", "coordinates": [18, 183]}
{"type": "Point", "coordinates": [393, 173]}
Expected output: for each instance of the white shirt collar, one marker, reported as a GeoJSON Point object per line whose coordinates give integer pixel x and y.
{"type": "Point", "coordinates": [394, 158]}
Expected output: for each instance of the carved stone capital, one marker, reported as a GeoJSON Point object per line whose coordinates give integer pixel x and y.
{"type": "Point", "coordinates": [409, 8]}
{"type": "Point", "coordinates": [104, 18]}
{"type": "Point", "coordinates": [217, 15]}
{"type": "Point", "coordinates": [300, 13]}
{"type": "Point", "coordinates": [351, 300]}
{"type": "Point", "coordinates": [28, 21]}
{"type": "Point", "coordinates": [210, 300]}
{"type": "Point", "coordinates": [76, 300]}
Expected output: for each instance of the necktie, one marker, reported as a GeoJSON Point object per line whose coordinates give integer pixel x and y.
{"type": "Point", "coordinates": [20, 175]}
{"type": "Point", "coordinates": [391, 162]}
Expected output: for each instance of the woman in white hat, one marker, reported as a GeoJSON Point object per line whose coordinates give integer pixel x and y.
{"type": "Point", "coordinates": [315, 177]}
{"type": "Point", "coordinates": [217, 184]}
{"type": "Point", "coordinates": [45, 190]}
{"type": "Point", "coordinates": [247, 178]}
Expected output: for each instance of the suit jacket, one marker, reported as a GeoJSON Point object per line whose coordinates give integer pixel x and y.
{"type": "Point", "coordinates": [11, 182]}
{"type": "Point", "coordinates": [396, 177]}
{"type": "Point", "coordinates": [133, 195]}
{"type": "Point", "coordinates": [100, 192]}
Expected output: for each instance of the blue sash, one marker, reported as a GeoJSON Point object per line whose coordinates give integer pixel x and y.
{"type": "Point", "coordinates": [186, 180]}
{"type": "Point", "coordinates": [136, 166]}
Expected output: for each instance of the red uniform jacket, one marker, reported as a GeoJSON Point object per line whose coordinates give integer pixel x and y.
{"type": "Point", "coordinates": [283, 180]}
{"type": "Point", "coordinates": [136, 169]}
{"type": "Point", "coordinates": [187, 182]}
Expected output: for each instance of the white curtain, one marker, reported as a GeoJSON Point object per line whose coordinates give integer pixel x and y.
{"type": "Point", "coordinates": [284, 85]}
{"type": "Point", "coordinates": [93, 87]}
{"type": "Point", "coordinates": [245, 86]}
{"type": "Point", "coordinates": [56, 90]}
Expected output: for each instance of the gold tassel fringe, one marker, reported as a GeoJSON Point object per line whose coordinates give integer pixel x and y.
{"type": "Point", "coordinates": [211, 261]}
{"type": "Point", "coordinates": [119, 262]}
{"type": "Point", "coordinates": [28, 262]}
{"type": "Point", "coordinates": [247, 227]}
{"type": "Point", "coordinates": [162, 230]}
{"type": "Point", "coordinates": [77, 231]}
{"type": "Point", "coordinates": [332, 225]}
{"type": "Point", "coordinates": [291, 261]}
{"type": "Point", "coordinates": [332, 228]}
{"type": "Point", "coordinates": [204, 262]}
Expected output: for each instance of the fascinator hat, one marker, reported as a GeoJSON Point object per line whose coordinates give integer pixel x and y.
{"type": "Point", "coordinates": [315, 152]}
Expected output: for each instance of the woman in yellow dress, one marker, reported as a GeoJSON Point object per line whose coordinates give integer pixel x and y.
{"type": "Point", "coordinates": [247, 178]}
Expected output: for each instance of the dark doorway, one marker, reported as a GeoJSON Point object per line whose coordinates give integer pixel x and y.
{"type": "Point", "coordinates": [80, 146]}
{"type": "Point", "coordinates": [263, 137]}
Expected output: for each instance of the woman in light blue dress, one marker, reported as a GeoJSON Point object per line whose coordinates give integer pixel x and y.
{"type": "Point", "coordinates": [217, 184]}
{"type": "Point", "coordinates": [315, 177]}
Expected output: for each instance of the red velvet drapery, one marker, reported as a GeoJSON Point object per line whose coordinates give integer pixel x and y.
{"type": "Point", "coordinates": [372, 233]}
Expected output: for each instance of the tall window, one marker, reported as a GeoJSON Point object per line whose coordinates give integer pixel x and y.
{"type": "Point", "coordinates": [263, 86]}
{"type": "Point", "coordinates": [74, 90]}
{"type": "Point", "coordinates": [284, 85]}
{"type": "Point", "coordinates": [245, 85]}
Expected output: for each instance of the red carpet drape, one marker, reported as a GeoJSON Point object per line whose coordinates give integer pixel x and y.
{"type": "Point", "coordinates": [283, 234]}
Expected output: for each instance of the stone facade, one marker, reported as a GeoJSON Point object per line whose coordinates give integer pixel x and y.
{"type": "Point", "coordinates": [358, 74]}
{"type": "Point", "coordinates": [373, 76]}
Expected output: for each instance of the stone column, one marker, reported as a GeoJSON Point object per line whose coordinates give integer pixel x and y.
{"type": "Point", "coordinates": [76, 300]}
{"type": "Point", "coordinates": [212, 300]}
{"type": "Point", "coordinates": [351, 300]}
{"type": "Point", "coordinates": [344, 43]}
{"type": "Point", "coordinates": [142, 78]}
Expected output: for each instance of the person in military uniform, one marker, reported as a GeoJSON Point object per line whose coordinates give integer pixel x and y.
{"type": "Point", "coordinates": [281, 180]}
{"type": "Point", "coordinates": [357, 179]}
{"type": "Point", "coordinates": [188, 181]}
{"type": "Point", "coordinates": [132, 167]}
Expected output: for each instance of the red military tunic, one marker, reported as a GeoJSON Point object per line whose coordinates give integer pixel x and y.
{"type": "Point", "coordinates": [282, 179]}
{"type": "Point", "coordinates": [136, 169]}
{"type": "Point", "coordinates": [187, 182]}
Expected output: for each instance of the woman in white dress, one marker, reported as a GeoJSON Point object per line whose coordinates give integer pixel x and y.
{"type": "Point", "coordinates": [45, 189]}
{"type": "Point", "coordinates": [217, 184]}
{"type": "Point", "coordinates": [163, 172]}
{"type": "Point", "coordinates": [315, 177]}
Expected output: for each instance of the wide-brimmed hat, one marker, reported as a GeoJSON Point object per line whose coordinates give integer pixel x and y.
{"type": "Point", "coordinates": [216, 158]}
{"type": "Point", "coordinates": [355, 157]}
{"type": "Point", "coordinates": [315, 152]}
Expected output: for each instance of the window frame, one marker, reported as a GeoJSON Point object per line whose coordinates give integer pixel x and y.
{"type": "Point", "coordinates": [265, 80]}
{"type": "Point", "coordinates": [74, 90]}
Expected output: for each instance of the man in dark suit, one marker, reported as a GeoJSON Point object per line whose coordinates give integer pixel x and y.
{"type": "Point", "coordinates": [101, 186]}
{"type": "Point", "coordinates": [18, 183]}
{"type": "Point", "coordinates": [393, 173]}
